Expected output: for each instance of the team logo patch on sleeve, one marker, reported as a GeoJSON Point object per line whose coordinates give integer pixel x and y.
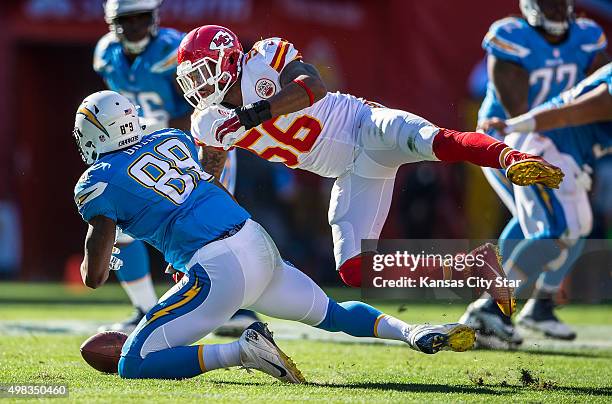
{"type": "Point", "coordinates": [265, 88]}
{"type": "Point", "coordinates": [90, 193]}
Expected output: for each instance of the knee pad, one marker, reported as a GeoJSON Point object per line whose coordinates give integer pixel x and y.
{"type": "Point", "coordinates": [129, 367]}
{"type": "Point", "coordinates": [350, 272]}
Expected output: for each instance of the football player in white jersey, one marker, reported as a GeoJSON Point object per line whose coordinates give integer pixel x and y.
{"type": "Point", "coordinates": [273, 104]}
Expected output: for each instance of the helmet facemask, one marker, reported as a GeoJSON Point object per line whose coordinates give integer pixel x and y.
{"type": "Point", "coordinates": [135, 47]}
{"type": "Point", "coordinates": [196, 77]}
{"type": "Point", "coordinates": [535, 17]}
{"type": "Point", "coordinates": [86, 147]}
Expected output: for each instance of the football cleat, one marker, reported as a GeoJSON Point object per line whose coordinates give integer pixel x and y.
{"type": "Point", "coordinates": [492, 270]}
{"type": "Point", "coordinates": [525, 169]}
{"type": "Point", "coordinates": [236, 325]}
{"type": "Point", "coordinates": [127, 326]}
{"type": "Point", "coordinates": [430, 339]}
{"type": "Point", "coordinates": [259, 351]}
{"type": "Point", "coordinates": [489, 319]}
{"type": "Point", "coordinates": [539, 315]}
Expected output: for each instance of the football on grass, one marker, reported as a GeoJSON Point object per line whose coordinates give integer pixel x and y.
{"type": "Point", "coordinates": [102, 351]}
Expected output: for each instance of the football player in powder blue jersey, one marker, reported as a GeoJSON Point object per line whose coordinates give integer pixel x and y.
{"type": "Point", "coordinates": [137, 58]}
{"type": "Point", "coordinates": [153, 188]}
{"type": "Point", "coordinates": [574, 129]}
{"type": "Point", "coordinates": [530, 61]}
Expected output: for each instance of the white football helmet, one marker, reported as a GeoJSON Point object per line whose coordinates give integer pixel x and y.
{"type": "Point", "coordinates": [535, 17]}
{"type": "Point", "coordinates": [105, 121]}
{"type": "Point", "coordinates": [119, 8]}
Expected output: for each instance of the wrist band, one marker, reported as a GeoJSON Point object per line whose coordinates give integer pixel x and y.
{"type": "Point", "coordinates": [523, 123]}
{"type": "Point", "coordinates": [305, 87]}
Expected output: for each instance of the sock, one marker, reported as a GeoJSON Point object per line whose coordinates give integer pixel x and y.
{"type": "Point", "coordinates": [350, 272]}
{"type": "Point", "coordinates": [529, 259]}
{"type": "Point", "coordinates": [172, 363]}
{"type": "Point", "coordinates": [510, 237]}
{"type": "Point", "coordinates": [550, 281]}
{"type": "Point", "coordinates": [353, 318]}
{"type": "Point", "coordinates": [180, 362]}
{"type": "Point", "coordinates": [141, 293]}
{"type": "Point", "coordinates": [219, 356]}
{"type": "Point", "coordinates": [388, 327]}
{"type": "Point", "coordinates": [477, 148]}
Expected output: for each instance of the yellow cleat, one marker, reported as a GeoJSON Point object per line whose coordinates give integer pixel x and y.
{"type": "Point", "coordinates": [533, 171]}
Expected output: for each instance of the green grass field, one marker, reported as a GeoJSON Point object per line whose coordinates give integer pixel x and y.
{"type": "Point", "coordinates": [40, 339]}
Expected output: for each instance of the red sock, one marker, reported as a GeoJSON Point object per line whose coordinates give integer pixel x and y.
{"type": "Point", "coordinates": [477, 148]}
{"type": "Point", "coordinates": [350, 272]}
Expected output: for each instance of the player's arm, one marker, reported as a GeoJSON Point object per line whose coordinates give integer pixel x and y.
{"type": "Point", "coordinates": [601, 59]}
{"type": "Point", "coordinates": [98, 249]}
{"type": "Point", "coordinates": [212, 160]}
{"type": "Point", "coordinates": [511, 84]}
{"type": "Point", "coordinates": [301, 86]}
{"type": "Point", "coordinates": [594, 106]}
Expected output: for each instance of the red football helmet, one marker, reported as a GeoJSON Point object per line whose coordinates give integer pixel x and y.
{"type": "Point", "coordinates": [209, 60]}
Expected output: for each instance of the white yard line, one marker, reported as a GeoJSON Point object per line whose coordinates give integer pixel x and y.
{"type": "Point", "coordinates": [589, 336]}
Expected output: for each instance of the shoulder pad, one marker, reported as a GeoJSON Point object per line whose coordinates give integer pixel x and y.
{"type": "Point", "coordinates": [276, 52]}
{"type": "Point", "coordinates": [100, 60]}
{"type": "Point", "coordinates": [169, 41]}
{"type": "Point", "coordinates": [592, 37]}
{"type": "Point", "coordinates": [507, 38]}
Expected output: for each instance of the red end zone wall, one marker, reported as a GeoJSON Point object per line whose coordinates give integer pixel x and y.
{"type": "Point", "coordinates": [409, 54]}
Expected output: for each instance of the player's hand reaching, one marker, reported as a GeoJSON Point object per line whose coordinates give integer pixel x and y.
{"type": "Point", "coordinates": [227, 130]}
{"type": "Point", "coordinates": [493, 124]}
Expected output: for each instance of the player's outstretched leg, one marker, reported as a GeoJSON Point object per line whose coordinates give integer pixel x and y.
{"type": "Point", "coordinates": [362, 320]}
{"type": "Point", "coordinates": [485, 151]}
{"type": "Point", "coordinates": [292, 295]}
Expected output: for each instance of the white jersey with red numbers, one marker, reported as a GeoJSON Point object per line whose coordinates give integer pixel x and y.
{"type": "Point", "coordinates": [320, 138]}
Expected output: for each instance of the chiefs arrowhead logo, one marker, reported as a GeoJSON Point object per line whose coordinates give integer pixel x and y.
{"type": "Point", "coordinates": [221, 40]}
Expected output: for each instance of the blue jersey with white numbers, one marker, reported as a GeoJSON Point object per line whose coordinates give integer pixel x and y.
{"type": "Point", "coordinates": [585, 143]}
{"type": "Point", "coordinates": [156, 191]}
{"type": "Point", "coordinates": [149, 81]}
{"type": "Point", "coordinates": [552, 68]}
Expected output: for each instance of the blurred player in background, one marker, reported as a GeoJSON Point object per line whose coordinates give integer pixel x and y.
{"type": "Point", "coordinates": [531, 60]}
{"type": "Point", "coordinates": [270, 102]}
{"type": "Point", "coordinates": [575, 128]}
{"type": "Point", "coordinates": [137, 58]}
{"type": "Point", "coordinates": [153, 188]}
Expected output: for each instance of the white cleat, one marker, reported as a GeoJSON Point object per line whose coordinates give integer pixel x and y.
{"type": "Point", "coordinates": [430, 339]}
{"type": "Point", "coordinates": [539, 315]}
{"type": "Point", "coordinates": [259, 351]}
{"type": "Point", "coordinates": [490, 320]}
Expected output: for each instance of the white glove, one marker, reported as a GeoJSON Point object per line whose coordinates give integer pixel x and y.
{"type": "Point", "coordinates": [115, 263]}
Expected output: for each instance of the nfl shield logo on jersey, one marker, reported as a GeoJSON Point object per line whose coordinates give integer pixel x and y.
{"type": "Point", "coordinates": [265, 88]}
